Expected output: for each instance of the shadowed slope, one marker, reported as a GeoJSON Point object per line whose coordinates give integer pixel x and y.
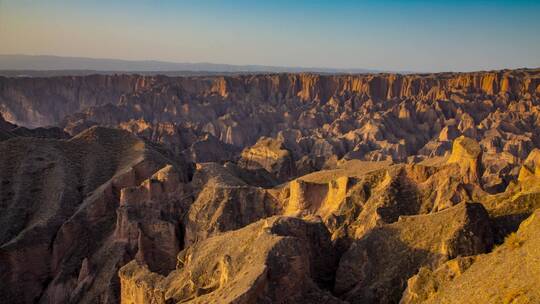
{"type": "Point", "coordinates": [58, 206]}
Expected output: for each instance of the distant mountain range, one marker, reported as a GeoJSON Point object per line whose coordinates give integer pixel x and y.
{"type": "Point", "coordinates": [42, 65]}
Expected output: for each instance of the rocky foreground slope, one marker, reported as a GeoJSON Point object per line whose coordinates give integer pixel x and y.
{"type": "Point", "coordinates": [271, 189]}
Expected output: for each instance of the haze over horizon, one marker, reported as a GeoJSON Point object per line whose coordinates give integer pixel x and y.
{"type": "Point", "coordinates": [380, 35]}
{"type": "Point", "coordinates": [269, 151]}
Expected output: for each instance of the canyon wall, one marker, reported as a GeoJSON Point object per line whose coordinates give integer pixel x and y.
{"type": "Point", "coordinates": [316, 119]}
{"type": "Point", "coordinates": [270, 188]}
{"type": "Point", "coordinates": [39, 101]}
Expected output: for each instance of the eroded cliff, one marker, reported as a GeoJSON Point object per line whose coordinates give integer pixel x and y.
{"type": "Point", "coordinates": [270, 188]}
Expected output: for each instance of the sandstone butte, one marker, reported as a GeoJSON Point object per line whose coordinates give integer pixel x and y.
{"type": "Point", "coordinates": [285, 188]}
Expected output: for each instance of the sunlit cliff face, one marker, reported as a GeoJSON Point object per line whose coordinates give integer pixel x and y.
{"type": "Point", "coordinates": [270, 188]}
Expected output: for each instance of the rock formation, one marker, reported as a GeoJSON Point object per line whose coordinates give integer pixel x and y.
{"type": "Point", "coordinates": [37, 101]}
{"type": "Point", "coordinates": [278, 188]}
{"type": "Point", "coordinates": [225, 202]}
{"type": "Point", "coordinates": [467, 154]}
{"type": "Point", "coordinates": [509, 274]}
{"type": "Point", "coordinates": [275, 260]}
{"type": "Point", "coordinates": [375, 268]}
{"type": "Point", "coordinates": [269, 154]}
{"type": "Point", "coordinates": [59, 202]}
{"type": "Point", "coordinates": [317, 117]}
{"type": "Point", "coordinates": [9, 130]}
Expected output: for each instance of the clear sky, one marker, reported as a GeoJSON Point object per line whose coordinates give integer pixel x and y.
{"type": "Point", "coordinates": [388, 35]}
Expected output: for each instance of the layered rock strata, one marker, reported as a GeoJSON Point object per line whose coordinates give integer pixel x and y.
{"type": "Point", "coordinates": [290, 188]}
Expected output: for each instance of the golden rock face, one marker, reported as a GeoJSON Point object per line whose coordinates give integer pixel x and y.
{"type": "Point", "coordinates": [291, 188]}
{"type": "Point", "coordinates": [479, 279]}
{"type": "Point", "coordinates": [466, 152]}
{"type": "Point", "coordinates": [531, 166]}
{"type": "Point", "coordinates": [278, 256]}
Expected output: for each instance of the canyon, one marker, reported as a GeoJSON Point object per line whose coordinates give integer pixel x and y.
{"type": "Point", "coordinates": [271, 188]}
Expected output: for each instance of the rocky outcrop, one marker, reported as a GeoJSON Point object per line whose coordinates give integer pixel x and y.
{"type": "Point", "coordinates": [38, 102]}
{"type": "Point", "coordinates": [251, 188]}
{"type": "Point", "coordinates": [5, 128]}
{"type": "Point", "coordinates": [359, 196]}
{"type": "Point", "coordinates": [59, 201]}
{"type": "Point", "coordinates": [467, 154]}
{"type": "Point", "coordinates": [210, 149]}
{"type": "Point", "coordinates": [149, 218]}
{"type": "Point", "coordinates": [375, 269]}
{"type": "Point", "coordinates": [225, 202]}
{"type": "Point", "coordinates": [520, 199]}
{"type": "Point", "coordinates": [339, 197]}
{"type": "Point", "coordinates": [9, 130]}
{"type": "Point", "coordinates": [269, 154]}
{"type": "Point", "coordinates": [82, 92]}
{"type": "Point", "coordinates": [317, 117]}
{"type": "Point", "coordinates": [531, 166]}
{"type": "Point", "coordinates": [421, 286]}
{"type": "Point", "coordinates": [507, 275]}
{"type": "Point", "coordinates": [275, 260]}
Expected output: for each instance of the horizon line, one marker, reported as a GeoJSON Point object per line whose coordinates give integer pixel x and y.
{"type": "Point", "coordinates": [349, 70]}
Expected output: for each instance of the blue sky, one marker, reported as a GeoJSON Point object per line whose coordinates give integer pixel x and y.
{"type": "Point", "coordinates": [388, 35]}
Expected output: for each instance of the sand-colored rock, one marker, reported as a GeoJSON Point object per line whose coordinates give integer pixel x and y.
{"type": "Point", "coordinates": [375, 269]}
{"type": "Point", "coordinates": [466, 152]}
{"type": "Point", "coordinates": [59, 201]}
{"type": "Point", "coordinates": [149, 218]}
{"type": "Point", "coordinates": [378, 168]}
{"type": "Point", "coordinates": [358, 196]}
{"type": "Point", "coordinates": [509, 274]}
{"type": "Point", "coordinates": [367, 117]}
{"type": "Point", "coordinates": [530, 167]}
{"type": "Point", "coordinates": [276, 260]}
{"type": "Point", "coordinates": [270, 155]}
{"type": "Point", "coordinates": [426, 283]}
{"type": "Point", "coordinates": [519, 200]}
{"type": "Point", "coordinates": [225, 202]}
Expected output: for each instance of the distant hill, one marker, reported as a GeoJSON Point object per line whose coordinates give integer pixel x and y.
{"type": "Point", "coordinates": [13, 65]}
